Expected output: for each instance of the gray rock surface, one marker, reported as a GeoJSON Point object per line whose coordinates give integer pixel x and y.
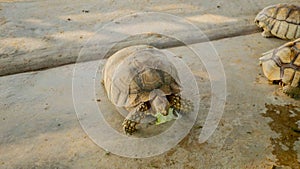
{"type": "Point", "coordinates": [39, 127]}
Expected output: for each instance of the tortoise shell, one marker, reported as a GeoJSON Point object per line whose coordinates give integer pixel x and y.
{"type": "Point", "coordinates": [131, 74]}
{"type": "Point", "coordinates": [281, 20]}
{"type": "Point", "coordinates": [283, 63]}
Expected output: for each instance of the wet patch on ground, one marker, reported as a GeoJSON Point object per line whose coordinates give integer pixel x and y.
{"type": "Point", "coordinates": [285, 122]}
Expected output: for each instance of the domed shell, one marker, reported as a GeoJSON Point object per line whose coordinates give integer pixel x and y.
{"type": "Point", "coordinates": [283, 63]}
{"type": "Point", "coordinates": [131, 74]}
{"type": "Point", "coordinates": [281, 20]}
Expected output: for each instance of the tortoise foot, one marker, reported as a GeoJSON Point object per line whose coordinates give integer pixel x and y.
{"type": "Point", "coordinates": [266, 34]}
{"type": "Point", "coordinates": [134, 118]}
{"type": "Point", "coordinates": [180, 104]}
{"type": "Point", "coordinates": [129, 126]}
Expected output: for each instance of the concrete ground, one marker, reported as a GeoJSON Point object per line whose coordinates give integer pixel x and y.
{"type": "Point", "coordinates": [39, 127]}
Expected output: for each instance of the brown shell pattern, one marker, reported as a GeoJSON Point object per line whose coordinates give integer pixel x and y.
{"type": "Point", "coordinates": [283, 63]}
{"type": "Point", "coordinates": [131, 74]}
{"type": "Point", "coordinates": [282, 20]}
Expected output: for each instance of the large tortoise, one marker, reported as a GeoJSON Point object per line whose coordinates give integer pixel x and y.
{"type": "Point", "coordinates": [141, 80]}
{"type": "Point", "coordinates": [281, 20]}
{"type": "Point", "coordinates": [283, 64]}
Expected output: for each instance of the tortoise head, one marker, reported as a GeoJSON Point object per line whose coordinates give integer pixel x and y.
{"type": "Point", "coordinates": [159, 102]}
{"type": "Point", "coordinates": [262, 18]}
{"type": "Point", "coordinates": [260, 21]}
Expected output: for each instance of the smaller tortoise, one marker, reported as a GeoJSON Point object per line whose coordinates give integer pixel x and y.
{"type": "Point", "coordinates": [283, 64]}
{"type": "Point", "coordinates": [142, 80]}
{"type": "Point", "coordinates": [281, 20]}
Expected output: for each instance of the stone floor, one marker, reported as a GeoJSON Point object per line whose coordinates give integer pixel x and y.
{"type": "Point", "coordinates": [41, 128]}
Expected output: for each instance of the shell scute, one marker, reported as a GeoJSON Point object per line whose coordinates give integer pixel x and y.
{"type": "Point", "coordinates": [132, 73]}
{"type": "Point", "coordinates": [283, 63]}
{"type": "Point", "coordinates": [281, 20]}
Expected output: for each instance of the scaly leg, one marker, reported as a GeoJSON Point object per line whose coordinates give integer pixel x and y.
{"type": "Point", "coordinates": [180, 104]}
{"type": "Point", "coordinates": [134, 118]}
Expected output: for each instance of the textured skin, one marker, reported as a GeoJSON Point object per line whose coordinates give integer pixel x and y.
{"type": "Point", "coordinates": [281, 20]}
{"type": "Point", "coordinates": [138, 78]}
{"type": "Point", "coordinates": [283, 64]}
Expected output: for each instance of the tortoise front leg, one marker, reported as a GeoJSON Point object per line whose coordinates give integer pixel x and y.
{"type": "Point", "coordinates": [134, 118]}
{"type": "Point", "coordinates": [266, 34]}
{"type": "Point", "coordinates": [180, 104]}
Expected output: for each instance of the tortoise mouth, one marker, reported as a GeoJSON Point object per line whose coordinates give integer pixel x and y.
{"type": "Point", "coordinates": [259, 25]}
{"type": "Point", "coordinates": [170, 98]}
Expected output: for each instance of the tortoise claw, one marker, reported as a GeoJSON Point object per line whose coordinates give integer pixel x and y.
{"type": "Point", "coordinates": [129, 126]}
{"type": "Point", "coordinates": [181, 105]}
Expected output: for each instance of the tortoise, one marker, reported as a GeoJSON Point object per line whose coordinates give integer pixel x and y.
{"type": "Point", "coordinates": [283, 64]}
{"type": "Point", "coordinates": [143, 82]}
{"type": "Point", "coordinates": [281, 20]}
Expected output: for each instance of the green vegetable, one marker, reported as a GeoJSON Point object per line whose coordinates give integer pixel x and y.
{"type": "Point", "coordinates": [163, 119]}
